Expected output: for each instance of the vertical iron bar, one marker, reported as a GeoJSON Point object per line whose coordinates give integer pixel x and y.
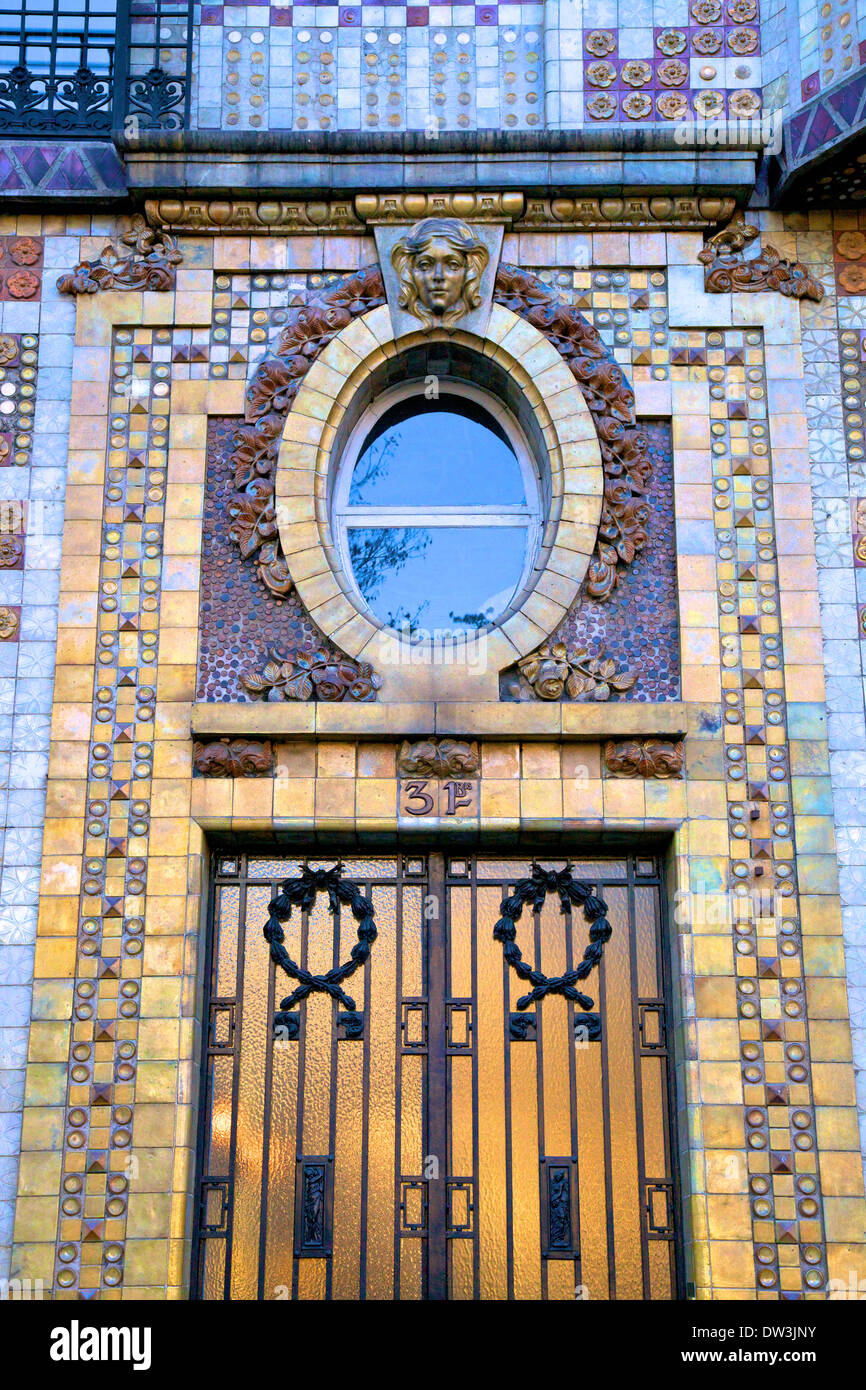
{"type": "Point", "coordinates": [236, 1069]}
{"type": "Point", "coordinates": [638, 1086]}
{"type": "Point", "coordinates": [398, 1066]}
{"type": "Point", "coordinates": [437, 1089]}
{"type": "Point", "coordinates": [476, 1140]}
{"type": "Point", "coordinates": [187, 99]}
{"type": "Point", "coordinates": [332, 1107]}
{"type": "Point", "coordinates": [669, 1094]}
{"type": "Point", "coordinates": [366, 1043]}
{"type": "Point", "coordinates": [122, 44]}
{"type": "Point", "coordinates": [572, 1091]}
{"type": "Point", "coordinates": [302, 1078]}
{"type": "Point", "coordinates": [539, 1076]}
{"type": "Point", "coordinates": [266, 1118]}
{"type": "Point", "coordinates": [205, 1090]}
{"type": "Point", "coordinates": [509, 1173]}
{"type": "Point", "coordinates": [605, 1102]}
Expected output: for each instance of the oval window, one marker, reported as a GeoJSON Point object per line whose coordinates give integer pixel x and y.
{"type": "Point", "coordinates": [437, 512]}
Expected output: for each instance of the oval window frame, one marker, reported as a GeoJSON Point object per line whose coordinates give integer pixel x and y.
{"type": "Point", "coordinates": [533, 514]}
{"type": "Point", "coordinates": [315, 428]}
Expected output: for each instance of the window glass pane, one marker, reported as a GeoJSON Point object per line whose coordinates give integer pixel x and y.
{"type": "Point", "coordinates": [436, 458]}
{"type": "Point", "coordinates": [447, 577]}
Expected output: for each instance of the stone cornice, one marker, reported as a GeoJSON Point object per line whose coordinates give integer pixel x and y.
{"type": "Point", "coordinates": [573, 722]}
{"type": "Point", "coordinates": [518, 212]}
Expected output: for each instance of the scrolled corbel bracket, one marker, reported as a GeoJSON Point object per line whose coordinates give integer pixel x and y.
{"type": "Point", "coordinates": [727, 268]}
{"type": "Point", "coordinates": [150, 266]}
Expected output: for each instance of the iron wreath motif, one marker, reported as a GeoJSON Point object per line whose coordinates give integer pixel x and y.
{"type": "Point", "coordinates": [572, 893]}
{"type": "Point", "coordinates": [302, 892]}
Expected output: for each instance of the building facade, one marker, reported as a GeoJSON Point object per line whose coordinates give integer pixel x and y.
{"type": "Point", "coordinates": [432, 588]}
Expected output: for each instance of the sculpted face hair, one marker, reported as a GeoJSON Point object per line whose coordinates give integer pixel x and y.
{"type": "Point", "coordinates": [457, 237]}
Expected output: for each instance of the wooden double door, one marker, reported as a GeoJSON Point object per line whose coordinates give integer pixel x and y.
{"type": "Point", "coordinates": [435, 1076]}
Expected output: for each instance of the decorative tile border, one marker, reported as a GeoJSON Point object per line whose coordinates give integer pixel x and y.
{"type": "Point", "coordinates": [35, 384]}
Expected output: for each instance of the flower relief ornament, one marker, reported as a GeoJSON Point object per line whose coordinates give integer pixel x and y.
{"type": "Point", "coordinates": [439, 264]}
{"type": "Point", "coordinates": [727, 268]}
{"type": "Point", "coordinates": [707, 41]}
{"type": "Point", "coordinates": [672, 72]}
{"type": "Point", "coordinates": [744, 103]}
{"type": "Point", "coordinates": [602, 107]}
{"type": "Point", "coordinates": [600, 42]}
{"type": "Point", "coordinates": [672, 105]}
{"type": "Point", "coordinates": [637, 105]}
{"type": "Point", "coordinates": [706, 11]}
{"type": "Point", "coordinates": [636, 73]}
{"type": "Point", "coordinates": [670, 42]}
{"type": "Point", "coordinates": [600, 74]}
{"type": "Point", "coordinates": [709, 103]}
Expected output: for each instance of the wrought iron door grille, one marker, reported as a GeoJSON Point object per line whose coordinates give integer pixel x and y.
{"type": "Point", "coordinates": [442, 1139]}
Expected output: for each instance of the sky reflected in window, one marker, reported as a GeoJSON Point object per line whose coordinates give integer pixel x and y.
{"type": "Point", "coordinates": [439, 458]}
{"type": "Point", "coordinates": [444, 577]}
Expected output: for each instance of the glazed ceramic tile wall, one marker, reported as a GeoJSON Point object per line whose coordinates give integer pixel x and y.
{"type": "Point", "coordinates": [36, 330]}
{"type": "Point", "coordinates": [832, 351]}
{"type": "Point", "coordinates": [485, 67]}
{"type": "Point", "coordinates": [370, 67]}
{"type": "Point", "coordinates": [829, 32]}
{"type": "Point", "coordinates": [769, 1129]}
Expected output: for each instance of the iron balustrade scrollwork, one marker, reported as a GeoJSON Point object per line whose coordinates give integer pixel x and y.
{"type": "Point", "coordinates": [84, 74]}
{"type": "Point", "coordinates": [155, 100]}
{"type": "Point", "coordinates": [62, 79]}
{"type": "Point", "coordinates": [154, 69]}
{"type": "Point", "coordinates": [302, 892]}
{"type": "Point", "coordinates": [572, 893]}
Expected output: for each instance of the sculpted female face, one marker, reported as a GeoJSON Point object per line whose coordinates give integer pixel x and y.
{"type": "Point", "coordinates": [438, 272]}
{"type": "Point", "coordinates": [439, 264]}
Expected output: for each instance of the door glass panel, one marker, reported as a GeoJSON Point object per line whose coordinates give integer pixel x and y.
{"type": "Point", "coordinates": [434, 1123]}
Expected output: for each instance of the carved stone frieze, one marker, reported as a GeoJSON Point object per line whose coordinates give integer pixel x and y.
{"type": "Point", "coordinates": [446, 757]}
{"type": "Point", "coordinates": [377, 208]}
{"type": "Point", "coordinates": [727, 269]}
{"type": "Point", "coordinates": [622, 531]}
{"type": "Point", "coordinates": [553, 671]}
{"type": "Point", "coordinates": [269, 216]}
{"type": "Point", "coordinates": [312, 674]}
{"type": "Point", "coordinates": [610, 214]}
{"type": "Point", "coordinates": [649, 757]}
{"type": "Point", "coordinates": [238, 757]}
{"type": "Point", "coordinates": [150, 266]}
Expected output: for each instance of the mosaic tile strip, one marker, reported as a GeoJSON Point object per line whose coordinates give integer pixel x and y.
{"type": "Point", "coordinates": [58, 169]}
{"type": "Point", "coordinates": [107, 986]}
{"type": "Point", "coordinates": [18, 357]}
{"type": "Point", "coordinates": [35, 337]}
{"type": "Point", "coordinates": [759, 763]}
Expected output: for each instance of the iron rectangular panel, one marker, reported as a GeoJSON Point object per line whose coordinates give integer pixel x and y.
{"type": "Point", "coordinates": [314, 1207]}
{"type": "Point", "coordinates": [560, 1221]}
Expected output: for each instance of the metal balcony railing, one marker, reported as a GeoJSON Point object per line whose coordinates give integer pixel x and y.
{"type": "Point", "coordinates": [86, 68]}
